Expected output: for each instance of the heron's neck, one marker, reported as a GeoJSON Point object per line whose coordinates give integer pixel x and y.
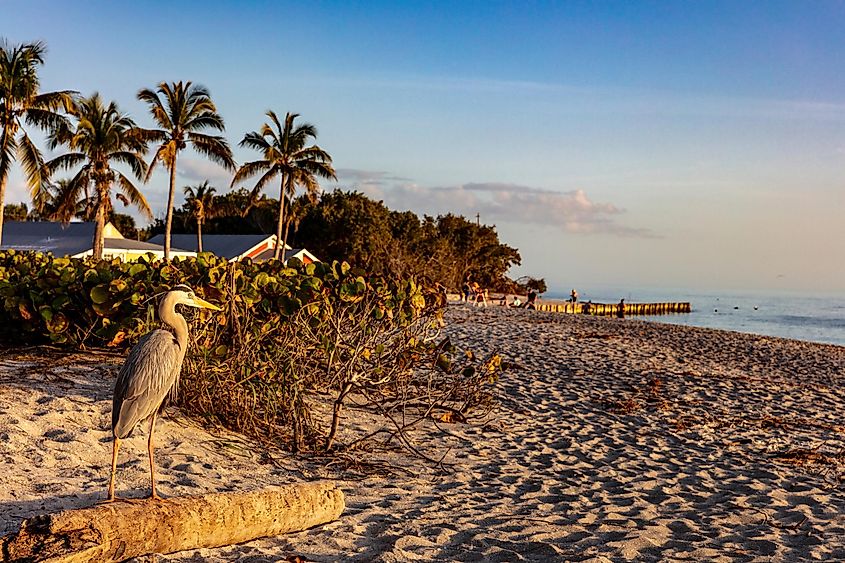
{"type": "Point", "coordinates": [168, 315]}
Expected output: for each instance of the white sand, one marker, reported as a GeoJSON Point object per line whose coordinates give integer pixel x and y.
{"type": "Point", "coordinates": [576, 465]}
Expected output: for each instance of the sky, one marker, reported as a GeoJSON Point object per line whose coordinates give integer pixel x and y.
{"type": "Point", "coordinates": [694, 145]}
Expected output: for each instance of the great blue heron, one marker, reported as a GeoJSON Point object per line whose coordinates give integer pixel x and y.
{"type": "Point", "coordinates": [150, 373]}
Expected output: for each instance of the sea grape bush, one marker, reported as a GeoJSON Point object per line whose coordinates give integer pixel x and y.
{"type": "Point", "coordinates": [286, 336]}
{"type": "Point", "coordinates": [86, 303]}
{"type": "Point", "coordinates": [110, 303]}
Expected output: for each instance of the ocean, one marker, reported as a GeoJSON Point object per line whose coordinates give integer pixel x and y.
{"type": "Point", "coordinates": [815, 318]}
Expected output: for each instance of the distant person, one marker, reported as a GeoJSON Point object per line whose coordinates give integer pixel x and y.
{"type": "Point", "coordinates": [573, 296]}
{"type": "Point", "coordinates": [465, 289]}
{"type": "Point", "coordinates": [516, 302]}
{"type": "Point", "coordinates": [480, 295]}
{"type": "Point", "coordinates": [532, 300]}
{"type": "Point", "coordinates": [620, 309]}
{"type": "Point", "coordinates": [503, 300]}
{"type": "Point", "coordinates": [587, 306]}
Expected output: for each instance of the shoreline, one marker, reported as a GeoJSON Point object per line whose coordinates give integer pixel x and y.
{"type": "Point", "coordinates": [699, 317]}
{"type": "Point", "coordinates": [614, 439]}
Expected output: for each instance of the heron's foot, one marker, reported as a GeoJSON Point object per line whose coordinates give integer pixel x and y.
{"type": "Point", "coordinates": [109, 500]}
{"type": "Point", "coordinates": [154, 496]}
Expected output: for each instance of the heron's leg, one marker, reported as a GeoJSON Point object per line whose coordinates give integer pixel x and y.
{"type": "Point", "coordinates": [153, 494]}
{"type": "Point", "coordinates": [114, 448]}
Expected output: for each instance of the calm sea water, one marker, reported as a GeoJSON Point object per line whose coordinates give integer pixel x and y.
{"type": "Point", "coordinates": [816, 318]}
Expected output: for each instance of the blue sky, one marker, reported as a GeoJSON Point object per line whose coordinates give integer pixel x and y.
{"type": "Point", "coordinates": [625, 144]}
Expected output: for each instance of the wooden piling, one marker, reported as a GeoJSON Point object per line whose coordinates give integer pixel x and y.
{"type": "Point", "coordinates": [610, 309]}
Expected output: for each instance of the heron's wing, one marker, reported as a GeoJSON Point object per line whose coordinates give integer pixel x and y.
{"type": "Point", "coordinates": [144, 380]}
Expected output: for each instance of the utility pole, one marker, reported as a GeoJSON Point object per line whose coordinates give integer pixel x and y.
{"type": "Point", "coordinates": [478, 219]}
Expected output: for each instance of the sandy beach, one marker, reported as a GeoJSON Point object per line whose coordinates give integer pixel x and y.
{"type": "Point", "coordinates": [614, 440]}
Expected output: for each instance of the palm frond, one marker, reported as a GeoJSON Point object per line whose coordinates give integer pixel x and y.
{"type": "Point", "coordinates": [320, 169]}
{"type": "Point", "coordinates": [65, 162]}
{"type": "Point", "coordinates": [64, 205]}
{"type": "Point", "coordinates": [274, 136]}
{"type": "Point", "coordinates": [157, 157]}
{"type": "Point", "coordinates": [254, 140]}
{"type": "Point", "coordinates": [133, 194]}
{"type": "Point", "coordinates": [304, 131]}
{"type": "Point", "coordinates": [54, 101]}
{"type": "Point", "coordinates": [133, 160]}
{"type": "Point", "coordinates": [250, 169]}
{"type": "Point", "coordinates": [195, 92]}
{"type": "Point", "coordinates": [205, 120]}
{"type": "Point", "coordinates": [156, 107]}
{"type": "Point", "coordinates": [275, 119]}
{"type": "Point", "coordinates": [213, 147]}
{"type": "Point", "coordinates": [264, 180]}
{"type": "Point", "coordinates": [8, 153]}
{"type": "Point", "coordinates": [148, 135]}
{"type": "Point", "coordinates": [32, 161]}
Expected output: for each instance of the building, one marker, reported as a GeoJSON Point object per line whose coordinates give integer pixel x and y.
{"type": "Point", "coordinates": [258, 248]}
{"type": "Point", "coordinates": [76, 240]}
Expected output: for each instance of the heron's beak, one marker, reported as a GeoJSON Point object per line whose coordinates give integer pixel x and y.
{"type": "Point", "coordinates": [204, 304]}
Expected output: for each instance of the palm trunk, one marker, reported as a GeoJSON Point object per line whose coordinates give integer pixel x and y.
{"type": "Point", "coordinates": [3, 181]}
{"type": "Point", "coordinates": [281, 218]}
{"type": "Point", "coordinates": [99, 224]}
{"type": "Point", "coordinates": [199, 234]}
{"type": "Point", "coordinates": [285, 238]}
{"type": "Point", "coordinates": [4, 138]}
{"type": "Point", "coordinates": [168, 223]}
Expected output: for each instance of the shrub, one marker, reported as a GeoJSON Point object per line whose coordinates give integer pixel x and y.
{"type": "Point", "coordinates": [286, 335]}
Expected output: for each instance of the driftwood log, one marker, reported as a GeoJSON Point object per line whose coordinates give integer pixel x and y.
{"type": "Point", "coordinates": [126, 529]}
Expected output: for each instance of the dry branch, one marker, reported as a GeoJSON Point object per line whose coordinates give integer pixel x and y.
{"type": "Point", "coordinates": [122, 530]}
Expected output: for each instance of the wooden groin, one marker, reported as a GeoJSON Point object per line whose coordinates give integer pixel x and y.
{"type": "Point", "coordinates": [610, 309]}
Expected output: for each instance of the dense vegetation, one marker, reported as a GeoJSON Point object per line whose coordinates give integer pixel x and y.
{"type": "Point", "coordinates": [286, 337]}
{"type": "Point", "coordinates": [339, 225]}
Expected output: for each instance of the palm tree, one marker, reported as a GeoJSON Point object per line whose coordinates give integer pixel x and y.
{"type": "Point", "coordinates": [287, 156]}
{"type": "Point", "coordinates": [53, 204]}
{"type": "Point", "coordinates": [202, 203]}
{"type": "Point", "coordinates": [21, 102]}
{"type": "Point", "coordinates": [182, 111]}
{"type": "Point", "coordinates": [101, 136]}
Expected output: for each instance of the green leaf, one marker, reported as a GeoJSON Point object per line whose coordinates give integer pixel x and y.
{"type": "Point", "coordinates": [99, 294]}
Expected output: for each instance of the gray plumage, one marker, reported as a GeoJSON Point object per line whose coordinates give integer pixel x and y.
{"type": "Point", "coordinates": [150, 373]}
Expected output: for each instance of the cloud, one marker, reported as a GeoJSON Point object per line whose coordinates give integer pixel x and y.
{"type": "Point", "coordinates": [571, 211]}
{"type": "Point", "coordinates": [198, 170]}
{"type": "Point", "coordinates": [367, 178]}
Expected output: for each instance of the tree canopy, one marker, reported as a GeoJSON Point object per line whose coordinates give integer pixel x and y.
{"type": "Point", "coordinates": [348, 225]}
